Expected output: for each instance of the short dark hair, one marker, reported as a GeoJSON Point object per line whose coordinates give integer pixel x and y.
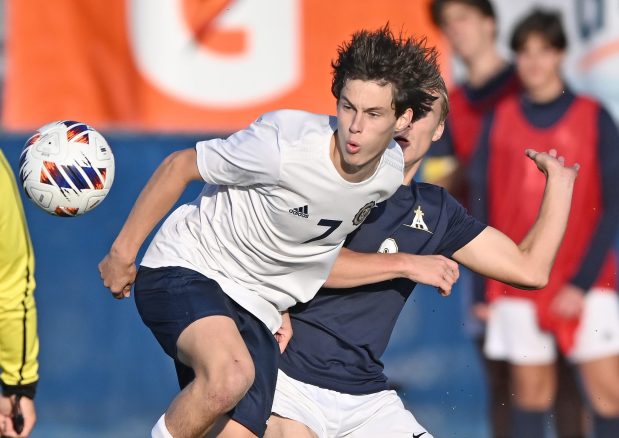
{"type": "Point", "coordinates": [407, 64]}
{"type": "Point", "coordinates": [483, 6]}
{"type": "Point", "coordinates": [546, 24]}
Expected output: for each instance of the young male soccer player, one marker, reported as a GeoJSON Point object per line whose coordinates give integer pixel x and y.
{"type": "Point", "coordinates": [331, 381]}
{"type": "Point", "coordinates": [579, 309]}
{"type": "Point", "coordinates": [281, 197]}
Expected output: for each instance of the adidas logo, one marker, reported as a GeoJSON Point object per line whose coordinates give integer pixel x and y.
{"type": "Point", "coordinates": [301, 211]}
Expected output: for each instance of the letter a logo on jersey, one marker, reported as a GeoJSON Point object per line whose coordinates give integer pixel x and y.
{"type": "Point", "coordinates": [418, 222]}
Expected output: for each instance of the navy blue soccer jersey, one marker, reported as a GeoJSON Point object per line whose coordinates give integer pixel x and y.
{"type": "Point", "coordinates": [340, 335]}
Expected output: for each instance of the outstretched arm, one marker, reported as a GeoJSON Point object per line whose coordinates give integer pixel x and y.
{"type": "Point", "coordinates": [355, 269]}
{"type": "Point", "coordinates": [157, 198]}
{"type": "Point", "coordinates": [527, 265]}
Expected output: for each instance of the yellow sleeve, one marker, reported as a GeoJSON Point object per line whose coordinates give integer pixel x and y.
{"type": "Point", "coordinates": [19, 343]}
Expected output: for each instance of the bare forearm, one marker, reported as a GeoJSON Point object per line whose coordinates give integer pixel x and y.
{"type": "Point", "coordinates": [543, 240]}
{"type": "Point", "coordinates": [353, 269]}
{"type": "Point", "coordinates": [527, 265]}
{"type": "Point", "coordinates": [157, 198]}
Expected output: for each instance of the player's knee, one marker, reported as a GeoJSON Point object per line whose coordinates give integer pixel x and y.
{"type": "Point", "coordinates": [537, 397]}
{"type": "Point", "coordinates": [222, 388]}
{"type": "Point", "coordinates": [606, 402]}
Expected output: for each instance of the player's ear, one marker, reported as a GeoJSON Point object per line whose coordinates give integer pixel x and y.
{"type": "Point", "coordinates": [438, 132]}
{"type": "Point", "coordinates": [404, 120]}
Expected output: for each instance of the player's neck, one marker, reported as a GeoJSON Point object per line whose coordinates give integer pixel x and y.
{"type": "Point", "coordinates": [547, 92]}
{"type": "Point", "coordinates": [410, 172]}
{"type": "Point", "coordinates": [483, 67]}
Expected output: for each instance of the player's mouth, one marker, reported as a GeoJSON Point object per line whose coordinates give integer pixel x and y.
{"type": "Point", "coordinates": [402, 141]}
{"type": "Point", "coordinates": [352, 147]}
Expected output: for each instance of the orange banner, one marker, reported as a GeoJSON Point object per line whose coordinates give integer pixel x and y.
{"type": "Point", "coordinates": [173, 65]}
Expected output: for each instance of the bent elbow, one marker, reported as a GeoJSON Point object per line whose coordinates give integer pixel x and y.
{"type": "Point", "coordinates": [540, 282]}
{"type": "Point", "coordinates": [182, 164]}
{"type": "Point", "coordinates": [533, 281]}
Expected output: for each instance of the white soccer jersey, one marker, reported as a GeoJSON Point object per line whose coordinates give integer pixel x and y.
{"type": "Point", "coordinates": [274, 213]}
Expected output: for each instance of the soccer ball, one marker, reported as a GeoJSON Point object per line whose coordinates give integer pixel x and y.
{"type": "Point", "coordinates": [66, 168]}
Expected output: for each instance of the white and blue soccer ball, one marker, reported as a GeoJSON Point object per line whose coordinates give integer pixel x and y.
{"type": "Point", "coordinates": [66, 168]}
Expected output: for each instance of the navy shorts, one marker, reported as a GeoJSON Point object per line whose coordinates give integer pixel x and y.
{"type": "Point", "coordinates": [169, 299]}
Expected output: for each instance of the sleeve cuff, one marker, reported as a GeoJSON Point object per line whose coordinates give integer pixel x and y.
{"type": "Point", "coordinates": [29, 390]}
{"type": "Point", "coordinates": [583, 283]}
{"type": "Point", "coordinates": [201, 152]}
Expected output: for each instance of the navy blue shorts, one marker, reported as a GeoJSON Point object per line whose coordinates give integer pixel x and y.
{"type": "Point", "coordinates": [169, 299]}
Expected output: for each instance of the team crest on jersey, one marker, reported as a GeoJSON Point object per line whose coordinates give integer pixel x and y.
{"type": "Point", "coordinates": [389, 246]}
{"type": "Point", "coordinates": [363, 213]}
{"type": "Point", "coordinates": [418, 222]}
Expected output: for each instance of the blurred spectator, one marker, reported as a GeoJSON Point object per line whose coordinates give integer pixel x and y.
{"type": "Point", "coordinates": [19, 343]}
{"type": "Point", "coordinates": [470, 28]}
{"type": "Point", "coordinates": [579, 308]}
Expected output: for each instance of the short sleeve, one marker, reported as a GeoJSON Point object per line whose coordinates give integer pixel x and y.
{"type": "Point", "coordinates": [461, 228]}
{"type": "Point", "coordinates": [247, 157]}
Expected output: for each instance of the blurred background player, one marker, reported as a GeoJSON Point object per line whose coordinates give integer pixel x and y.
{"type": "Point", "coordinates": [470, 27]}
{"type": "Point", "coordinates": [265, 231]}
{"type": "Point", "coordinates": [19, 342]}
{"type": "Point", "coordinates": [579, 309]}
{"type": "Point", "coordinates": [331, 381]}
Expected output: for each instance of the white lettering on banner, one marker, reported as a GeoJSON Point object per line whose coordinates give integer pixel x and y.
{"type": "Point", "coordinates": [168, 56]}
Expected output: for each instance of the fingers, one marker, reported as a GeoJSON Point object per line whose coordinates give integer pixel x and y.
{"type": "Point", "coordinates": [443, 292]}
{"type": "Point", "coordinates": [449, 277]}
{"type": "Point", "coordinates": [544, 164]}
{"type": "Point", "coordinates": [119, 294]}
{"type": "Point", "coordinates": [117, 278]}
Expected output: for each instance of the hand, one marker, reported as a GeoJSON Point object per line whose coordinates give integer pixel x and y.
{"type": "Point", "coordinates": [433, 270]}
{"type": "Point", "coordinates": [283, 335]}
{"type": "Point", "coordinates": [550, 164]}
{"type": "Point", "coordinates": [569, 302]}
{"type": "Point", "coordinates": [26, 405]}
{"type": "Point", "coordinates": [118, 274]}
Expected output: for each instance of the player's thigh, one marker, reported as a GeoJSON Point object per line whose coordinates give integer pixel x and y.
{"type": "Point", "coordinates": [601, 381]}
{"type": "Point", "coordinates": [513, 334]}
{"type": "Point", "coordinates": [254, 409]}
{"type": "Point", "coordinates": [534, 386]}
{"type": "Point", "coordinates": [225, 427]}
{"type": "Point", "coordinates": [280, 427]}
{"type": "Point", "coordinates": [308, 405]}
{"type": "Point", "coordinates": [213, 344]}
{"type": "Point", "coordinates": [191, 318]}
{"type": "Point", "coordinates": [385, 416]}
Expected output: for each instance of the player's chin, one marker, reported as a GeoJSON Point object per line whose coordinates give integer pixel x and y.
{"type": "Point", "coordinates": [355, 161]}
